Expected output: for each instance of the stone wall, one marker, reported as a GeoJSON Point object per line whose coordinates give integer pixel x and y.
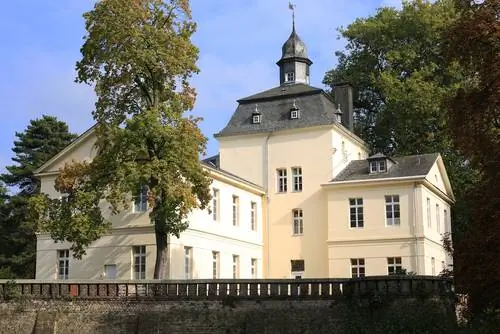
{"type": "Point", "coordinates": [352, 309]}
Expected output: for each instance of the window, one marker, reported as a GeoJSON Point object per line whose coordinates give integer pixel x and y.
{"type": "Point", "coordinates": [356, 212]}
{"type": "Point", "coordinates": [215, 204]}
{"type": "Point", "coordinates": [139, 253]}
{"type": "Point", "coordinates": [297, 178]}
{"type": "Point", "coordinates": [282, 185]}
{"type": "Point", "coordinates": [377, 166]}
{"type": "Point", "coordinates": [357, 268]}
{"type": "Point", "coordinates": [294, 114]}
{"type": "Point", "coordinates": [438, 220]}
{"type": "Point", "coordinates": [253, 216]}
{"type": "Point", "coordinates": [236, 266]}
{"type": "Point", "coordinates": [141, 199]}
{"type": "Point", "coordinates": [215, 265]}
{"type": "Point", "coordinates": [256, 118]}
{"type": "Point", "coordinates": [253, 263]}
{"type": "Point", "coordinates": [289, 76]}
{"type": "Point", "coordinates": [298, 268]}
{"type": "Point", "coordinates": [433, 266]}
{"type": "Point", "coordinates": [110, 271]}
{"type": "Point", "coordinates": [394, 266]}
{"type": "Point", "coordinates": [429, 223]}
{"type": "Point", "coordinates": [446, 222]}
{"type": "Point", "coordinates": [236, 210]}
{"type": "Point", "coordinates": [188, 262]}
{"type": "Point", "coordinates": [298, 223]}
{"type": "Point", "coordinates": [63, 264]}
{"type": "Point", "coordinates": [392, 210]}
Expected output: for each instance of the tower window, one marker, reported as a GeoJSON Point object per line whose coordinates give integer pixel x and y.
{"type": "Point", "coordinates": [289, 76]}
{"type": "Point", "coordinates": [256, 119]}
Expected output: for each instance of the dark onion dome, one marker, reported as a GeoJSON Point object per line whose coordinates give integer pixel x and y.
{"type": "Point", "coordinates": [294, 47]}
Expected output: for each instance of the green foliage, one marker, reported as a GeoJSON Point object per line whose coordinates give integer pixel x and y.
{"type": "Point", "coordinates": [395, 63]}
{"type": "Point", "coordinates": [43, 138]}
{"type": "Point", "coordinates": [139, 56]}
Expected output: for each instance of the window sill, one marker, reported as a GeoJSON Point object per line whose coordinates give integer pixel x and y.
{"type": "Point", "coordinates": [298, 235]}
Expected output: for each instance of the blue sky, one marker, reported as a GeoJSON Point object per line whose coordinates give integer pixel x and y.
{"type": "Point", "coordinates": [239, 40]}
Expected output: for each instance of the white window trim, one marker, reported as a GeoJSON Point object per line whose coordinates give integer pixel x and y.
{"type": "Point", "coordinates": [297, 178]}
{"type": "Point", "coordinates": [142, 260]}
{"type": "Point", "coordinates": [298, 221]}
{"type": "Point", "coordinates": [289, 76]}
{"type": "Point", "coordinates": [394, 222]}
{"type": "Point", "coordinates": [438, 218]}
{"type": "Point", "coordinates": [64, 260]}
{"type": "Point", "coordinates": [236, 266]}
{"type": "Point", "coordinates": [253, 216]}
{"type": "Point", "coordinates": [236, 210]}
{"type": "Point", "coordinates": [188, 262]}
{"type": "Point", "coordinates": [143, 200]}
{"type": "Point", "coordinates": [358, 266]}
{"type": "Point", "coordinates": [281, 177]}
{"type": "Point", "coordinates": [356, 206]}
{"type": "Point", "coordinates": [256, 119]}
{"type": "Point", "coordinates": [215, 204]}
{"type": "Point", "coordinates": [294, 114]}
{"type": "Point", "coordinates": [394, 265]}
{"type": "Point", "coordinates": [215, 264]}
{"type": "Point", "coordinates": [253, 267]}
{"type": "Point", "coordinates": [429, 217]}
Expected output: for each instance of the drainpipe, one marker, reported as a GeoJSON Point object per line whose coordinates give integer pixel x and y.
{"type": "Point", "coordinates": [417, 269]}
{"type": "Point", "coordinates": [266, 187]}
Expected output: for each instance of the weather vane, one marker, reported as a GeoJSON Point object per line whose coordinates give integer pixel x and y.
{"type": "Point", "coordinates": [291, 6]}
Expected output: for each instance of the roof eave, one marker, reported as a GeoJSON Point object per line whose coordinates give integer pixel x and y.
{"type": "Point", "coordinates": [374, 181]}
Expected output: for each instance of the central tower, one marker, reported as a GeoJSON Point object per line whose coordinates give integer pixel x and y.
{"type": "Point", "coordinates": [294, 63]}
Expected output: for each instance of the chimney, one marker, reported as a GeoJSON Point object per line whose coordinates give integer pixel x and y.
{"type": "Point", "coordinates": [343, 96]}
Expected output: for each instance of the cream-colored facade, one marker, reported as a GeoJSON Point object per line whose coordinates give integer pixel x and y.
{"type": "Point", "coordinates": [290, 163]}
{"type": "Point", "coordinates": [213, 246]}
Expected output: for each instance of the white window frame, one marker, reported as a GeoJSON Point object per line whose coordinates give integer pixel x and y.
{"type": "Point", "coordinates": [378, 166]}
{"type": "Point", "coordinates": [188, 262]}
{"type": "Point", "coordinates": [298, 222]}
{"type": "Point", "coordinates": [63, 264]}
{"type": "Point", "coordinates": [294, 114]}
{"type": "Point", "coordinates": [281, 176]}
{"type": "Point", "coordinates": [297, 179]}
{"type": "Point", "coordinates": [139, 262]}
{"type": "Point", "coordinates": [253, 267]}
{"type": "Point", "coordinates": [446, 222]}
{"type": "Point", "coordinates": [356, 211]}
{"type": "Point", "coordinates": [438, 218]}
{"type": "Point", "coordinates": [429, 218]}
{"type": "Point", "coordinates": [110, 265]}
{"type": "Point", "coordinates": [289, 76]}
{"type": "Point", "coordinates": [393, 264]}
{"type": "Point", "coordinates": [141, 199]}
{"type": "Point", "coordinates": [215, 264]}
{"type": "Point", "coordinates": [253, 216]}
{"type": "Point", "coordinates": [236, 210]}
{"type": "Point", "coordinates": [256, 119]}
{"type": "Point", "coordinates": [392, 210]}
{"type": "Point", "coordinates": [215, 204]}
{"type": "Point", "coordinates": [358, 268]}
{"type": "Point", "coordinates": [236, 266]}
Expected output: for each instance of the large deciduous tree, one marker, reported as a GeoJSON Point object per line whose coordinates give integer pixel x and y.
{"type": "Point", "coordinates": [394, 61]}
{"type": "Point", "coordinates": [140, 57]}
{"type": "Point", "coordinates": [43, 138]}
{"type": "Point", "coordinates": [474, 113]}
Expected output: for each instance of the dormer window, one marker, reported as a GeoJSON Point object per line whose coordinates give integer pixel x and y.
{"type": "Point", "coordinates": [256, 119]}
{"type": "Point", "coordinates": [377, 166]}
{"type": "Point", "coordinates": [294, 114]}
{"type": "Point", "coordinates": [289, 77]}
{"type": "Point", "coordinates": [379, 163]}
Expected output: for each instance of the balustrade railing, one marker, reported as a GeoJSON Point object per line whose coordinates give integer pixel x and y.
{"type": "Point", "coordinates": [220, 289]}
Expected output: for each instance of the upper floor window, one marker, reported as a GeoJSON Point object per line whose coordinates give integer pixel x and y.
{"type": "Point", "coordinates": [289, 77]}
{"type": "Point", "coordinates": [429, 223]}
{"type": "Point", "coordinates": [141, 199]}
{"type": "Point", "coordinates": [378, 166]}
{"type": "Point", "coordinates": [63, 263]}
{"type": "Point", "coordinates": [188, 262]}
{"type": "Point", "coordinates": [256, 118]}
{"type": "Point", "coordinates": [357, 268]}
{"type": "Point", "coordinates": [253, 216]}
{"type": "Point", "coordinates": [215, 264]}
{"type": "Point", "coordinates": [215, 204]}
{"type": "Point", "coordinates": [446, 221]}
{"type": "Point", "coordinates": [236, 210]}
{"type": "Point", "coordinates": [438, 220]}
{"type": "Point", "coordinates": [394, 266]}
{"type": "Point", "coordinates": [139, 255]}
{"type": "Point", "coordinates": [282, 184]}
{"type": "Point", "coordinates": [392, 212]}
{"type": "Point", "coordinates": [298, 222]}
{"type": "Point", "coordinates": [356, 212]}
{"type": "Point", "coordinates": [297, 178]}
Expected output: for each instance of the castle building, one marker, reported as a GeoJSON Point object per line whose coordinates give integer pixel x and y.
{"type": "Point", "coordinates": [296, 194]}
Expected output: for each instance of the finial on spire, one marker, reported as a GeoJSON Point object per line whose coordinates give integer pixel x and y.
{"type": "Point", "coordinates": [292, 8]}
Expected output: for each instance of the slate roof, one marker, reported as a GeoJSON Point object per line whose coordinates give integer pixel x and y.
{"type": "Point", "coordinates": [294, 47]}
{"type": "Point", "coordinates": [316, 108]}
{"type": "Point", "coordinates": [405, 166]}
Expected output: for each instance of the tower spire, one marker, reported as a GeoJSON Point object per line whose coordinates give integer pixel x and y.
{"type": "Point", "coordinates": [292, 8]}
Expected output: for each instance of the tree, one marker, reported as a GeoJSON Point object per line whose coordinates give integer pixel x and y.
{"type": "Point", "coordinates": [395, 63]}
{"type": "Point", "coordinates": [474, 113]}
{"type": "Point", "coordinates": [140, 58]}
{"type": "Point", "coordinates": [43, 138]}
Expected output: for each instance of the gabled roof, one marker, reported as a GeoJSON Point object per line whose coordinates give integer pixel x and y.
{"type": "Point", "coordinates": [406, 166]}
{"type": "Point", "coordinates": [315, 106]}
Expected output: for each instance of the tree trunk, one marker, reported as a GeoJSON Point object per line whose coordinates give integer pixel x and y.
{"type": "Point", "coordinates": [162, 256]}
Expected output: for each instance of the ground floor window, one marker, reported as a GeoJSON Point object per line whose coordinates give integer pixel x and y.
{"type": "Point", "coordinates": [63, 263]}
{"type": "Point", "coordinates": [139, 266]}
{"type": "Point", "coordinates": [394, 266]}
{"type": "Point", "coordinates": [358, 268]}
